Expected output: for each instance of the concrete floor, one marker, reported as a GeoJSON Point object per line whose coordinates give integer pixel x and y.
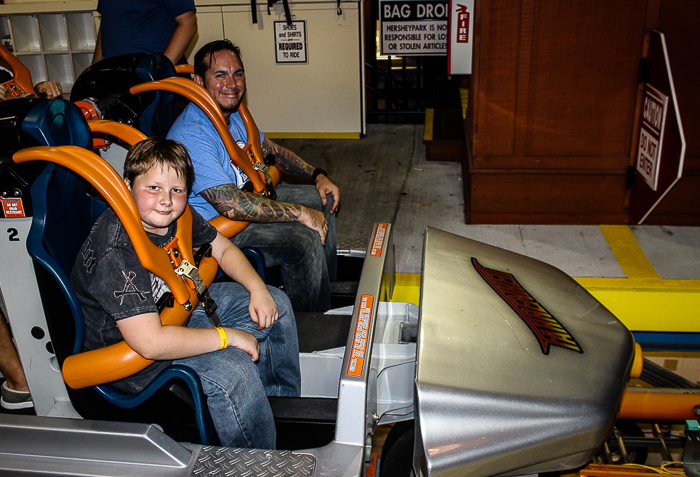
{"type": "Point", "coordinates": [385, 177]}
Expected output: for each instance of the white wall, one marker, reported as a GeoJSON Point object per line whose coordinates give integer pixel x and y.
{"type": "Point", "coordinates": [321, 98]}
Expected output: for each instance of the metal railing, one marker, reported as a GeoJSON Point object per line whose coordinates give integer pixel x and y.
{"type": "Point", "coordinates": [396, 93]}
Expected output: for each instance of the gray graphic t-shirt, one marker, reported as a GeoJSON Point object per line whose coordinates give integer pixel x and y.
{"type": "Point", "coordinates": [111, 284]}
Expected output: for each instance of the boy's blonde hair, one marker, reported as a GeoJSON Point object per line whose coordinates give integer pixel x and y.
{"type": "Point", "coordinates": [158, 151]}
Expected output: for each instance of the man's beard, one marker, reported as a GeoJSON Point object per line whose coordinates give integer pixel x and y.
{"type": "Point", "coordinates": [233, 108]}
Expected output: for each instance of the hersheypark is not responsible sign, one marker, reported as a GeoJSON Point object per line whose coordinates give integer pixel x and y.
{"type": "Point", "coordinates": [413, 27]}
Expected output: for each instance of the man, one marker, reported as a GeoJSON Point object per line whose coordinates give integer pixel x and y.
{"type": "Point", "coordinates": [296, 231]}
{"type": "Point", "coordinates": [145, 26]}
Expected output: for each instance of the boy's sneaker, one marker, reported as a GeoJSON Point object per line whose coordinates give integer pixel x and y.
{"type": "Point", "coordinates": [11, 399]}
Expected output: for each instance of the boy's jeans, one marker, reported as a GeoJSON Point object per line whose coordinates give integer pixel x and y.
{"type": "Point", "coordinates": [235, 386]}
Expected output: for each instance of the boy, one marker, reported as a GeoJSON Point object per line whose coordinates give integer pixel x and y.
{"type": "Point", "coordinates": [119, 296]}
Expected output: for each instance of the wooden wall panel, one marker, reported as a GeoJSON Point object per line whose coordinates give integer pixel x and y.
{"type": "Point", "coordinates": [583, 85]}
{"type": "Point", "coordinates": [497, 76]}
{"type": "Point", "coordinates": [556, 96]}
{"type": "Point", "coordinates": [546, 193]}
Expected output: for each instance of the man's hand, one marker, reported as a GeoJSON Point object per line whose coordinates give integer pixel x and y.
{"type": "Point", "coordinates": [50, 89]}
{"type": "Point", "coordinates": [263, 309]}
{"type": "Point", "coordinates": [315, 220]}
{"type": "Point", "coordinates": [3, 92]}
{"type": "Point", "coordinates": [243, 340]}
{"type": "Point", "coordinates": [325, 186]}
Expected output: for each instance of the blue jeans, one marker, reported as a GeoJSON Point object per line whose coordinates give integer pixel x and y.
{"type": "Point", "coordinates": [235, 386]}
{"type": "Point", "coordinates": [307, 266]}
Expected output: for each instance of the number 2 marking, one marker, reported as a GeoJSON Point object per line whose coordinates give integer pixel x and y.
{"type": "Point", "coordinates": [13, 235]}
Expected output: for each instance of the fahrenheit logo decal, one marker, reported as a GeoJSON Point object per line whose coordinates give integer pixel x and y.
{"type": "Point", "coordinates": [547, 330]}
{"type": "Point", "coordinates": [359, 342]}
{"type": "Point", "coordinates": [378, 242]}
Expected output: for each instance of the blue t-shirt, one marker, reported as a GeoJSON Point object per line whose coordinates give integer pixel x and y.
{"type": "Point", "coordinates": [212, 164]}
{"type": "Point", "coordinates": [139, 26]}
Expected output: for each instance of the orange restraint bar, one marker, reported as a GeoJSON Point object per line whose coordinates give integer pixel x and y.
{"type": "Point", "coordinates": [243, 158]}
{"type": "Point", "coordinates": [22, 82]}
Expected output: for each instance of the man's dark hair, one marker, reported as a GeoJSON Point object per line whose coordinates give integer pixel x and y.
{"type": "Point", "coordinates": [158, 152]}
{"type": "Point", "coordinates": [205, 55]}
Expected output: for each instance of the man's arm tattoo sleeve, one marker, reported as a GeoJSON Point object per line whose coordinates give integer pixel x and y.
{"type": "Point", "coordinates": [288, 162]}
{"type": "Point", "coordinates": [236, 204]}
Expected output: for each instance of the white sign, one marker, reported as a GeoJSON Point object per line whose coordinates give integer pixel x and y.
{"type": "Point", "coordinates": [413, 27]}
{"type": "Point", "coordinates": [290, 42]}
{"type": "Point", "coordinates": [459, 51]}
{"type": "Point", "coordinates": [651, 134]}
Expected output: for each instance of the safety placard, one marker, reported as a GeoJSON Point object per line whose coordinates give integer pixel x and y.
{"type": "Point", "coordinates": [413, 27]}
{"type": "Point", "coordinates": [290, 42]}
{"type": "Point", "coordinates": [651, 133]}
{"type": "Point", "coordinates": [12, 207]}
{"type": "Point", "coordinates": [378, 241]}
{"type": "Point", "coordinates": [360, 336]}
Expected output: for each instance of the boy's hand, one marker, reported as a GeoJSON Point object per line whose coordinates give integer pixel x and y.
{"type": "Point", "coordinates": [243, 340]}
{"type": "Point", "coordinates": [263, 309]}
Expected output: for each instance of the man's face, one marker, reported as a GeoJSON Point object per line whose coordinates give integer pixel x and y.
{"type": "Point", "coordinates": [225, 81]}
{"type": "Point", "coordinates": [161, 198]}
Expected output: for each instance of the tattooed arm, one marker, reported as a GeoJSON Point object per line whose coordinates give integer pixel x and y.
{"type": "Point", "coordinates": [236, 204]}
{"type": "Point", "coordinates": [294, 166]}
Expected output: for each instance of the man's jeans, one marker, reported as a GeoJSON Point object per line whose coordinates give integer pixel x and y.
{"type": "Point", "coordinates": [235, 386]}
{"type": "Point", "coordinates": [307, 266]}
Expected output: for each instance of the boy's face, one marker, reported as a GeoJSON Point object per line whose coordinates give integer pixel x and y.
{"type": "Point", "coordinates": [161, 198]}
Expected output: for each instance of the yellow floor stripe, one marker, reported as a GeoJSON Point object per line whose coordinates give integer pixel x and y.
{"type": "Point", "coordinates": [428, 128]}
{"type": "Point", "coordinates": [649, 304]}
{"type": "Point", "coordinates": [628, 252]}
{"type": "Point", "coordinates": [464, 96]}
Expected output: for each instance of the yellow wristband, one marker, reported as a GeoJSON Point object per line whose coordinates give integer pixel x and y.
{"type": "Point", "coordinates": [222, 334]}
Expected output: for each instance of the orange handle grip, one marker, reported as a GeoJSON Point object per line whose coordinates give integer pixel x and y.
{"type": "Point", "coordinates": [180, 69]}
{"type": "Point", "coordinates": [122, 131]}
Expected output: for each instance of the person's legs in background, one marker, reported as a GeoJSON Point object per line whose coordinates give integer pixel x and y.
{"type": "Point", "coordinates": [14, 392]}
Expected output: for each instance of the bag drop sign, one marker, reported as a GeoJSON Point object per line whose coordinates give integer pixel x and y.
{"type": "Point", "coordinates": [413, 27]}
{"type": "Point", "coordinates": [290, 42]}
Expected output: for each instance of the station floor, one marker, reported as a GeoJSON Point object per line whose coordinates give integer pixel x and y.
{"type": "Point", "coordinates": [648, 276]}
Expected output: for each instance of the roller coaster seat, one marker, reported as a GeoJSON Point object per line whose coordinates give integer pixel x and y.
{"type": "Point", "coordinates": [63, 215]}
{"type": "Point", "coordinates": [105, 85]}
